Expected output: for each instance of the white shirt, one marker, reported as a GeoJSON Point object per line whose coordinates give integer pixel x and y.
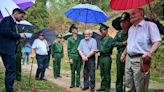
{"type": "Point", "coordinates": [141, 37]}
{"type": "Point", "coordinates": [13, 18]}
{"type": "Point", "coordinates": [41, 47]}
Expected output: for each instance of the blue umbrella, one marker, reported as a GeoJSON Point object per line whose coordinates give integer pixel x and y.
{"type": "Point", "coordinates": [87, 13]}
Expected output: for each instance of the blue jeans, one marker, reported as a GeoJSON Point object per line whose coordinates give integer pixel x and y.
{"type": "Point", "coordinates": [10, 65]}
{"type": "Point", "coordinates": [41, 61]}
{"type": "Point", "coordinates": [26, 58]}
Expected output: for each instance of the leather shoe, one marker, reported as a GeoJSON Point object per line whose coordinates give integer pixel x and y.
{"type": "Point", "coordinates": [100, 89]}
{"type": "Point", "coordinates": [92, 90]}
{"type": "Point", "coordinates": [36, 78]}
{"type": "Point", "coordinates": [71, 86]}
{"type": "Point", "coordinates": [43, 79]}
{"type": "Point", "coordinates": [77, 86]}
{"type": "Point", "coordinates": [85, 88]}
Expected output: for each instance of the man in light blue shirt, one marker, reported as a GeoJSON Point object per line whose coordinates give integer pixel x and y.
{"type": "Point", "coordinates": [87, 49]}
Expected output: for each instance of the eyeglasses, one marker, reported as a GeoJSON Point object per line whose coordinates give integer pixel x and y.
{"type": "Point", "coordinates": [41, 35]}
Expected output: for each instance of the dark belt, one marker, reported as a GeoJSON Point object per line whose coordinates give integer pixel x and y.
{"type": "Point", "coordinates": [136, 55]}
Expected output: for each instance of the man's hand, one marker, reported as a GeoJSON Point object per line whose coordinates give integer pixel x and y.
{"type": "Point", "coordinates": [71, 61]}
{"type": "Point", "coordinates": [22, 35]}
{"type": "Point", "coordinates": [124, 42]}
{"type": "Point", "coordinates": [85, 58]}
{"type": "Point", "coordinates": [123, 57]}
{"type": "Point", "coordinates": [147, 57]}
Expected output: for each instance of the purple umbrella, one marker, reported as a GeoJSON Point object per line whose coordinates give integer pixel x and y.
{"type": "Point", "coordinates": [24, 4]}
{"type": "Point", "coordinates": [7, 6]}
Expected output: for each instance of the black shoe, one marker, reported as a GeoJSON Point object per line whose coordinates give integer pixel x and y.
{"type": "Point", "coordinates": [59, 76]}
{"type": "Point", "coordinates": [92, 90]}
{"type": "Point", "coordinates": [36, 78]}
{"type": "Point", "coordinates": [100, 89]}
{"type": "Point", "coordinates": [43, 79]}
{"type": "Point", "coordinates": [71, 86]}
{"type": "Point", "coordinates": [77, 86]}
{"type": "Point", "coordinates": [85, 88]}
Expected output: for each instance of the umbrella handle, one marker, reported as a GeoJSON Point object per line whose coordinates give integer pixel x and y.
{"type": "Point", "coordinates": [7, 11]}
{"type": "Point", "coordinates": [31, 71]}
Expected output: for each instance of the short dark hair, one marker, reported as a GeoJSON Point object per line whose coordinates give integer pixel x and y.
{"type": "Point", "coordinates": [18, 10]}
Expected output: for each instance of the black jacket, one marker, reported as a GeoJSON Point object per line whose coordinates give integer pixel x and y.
{"type": "Point", "coordinates": [8, 36]}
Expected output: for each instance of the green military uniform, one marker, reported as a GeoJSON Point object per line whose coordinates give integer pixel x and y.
{"type": "Point", "coordinates": [74, 55]}
{"type": "Point", "coordinates": [18, 61]}
{"type": "Point", "coordinates": [105, 62]}
{"type": "Point", "coordinates": [57, 53]}
{"type": "Point", "coordinates": [105, 58]}
{"type": "Point", "coordinates": [118, 42]}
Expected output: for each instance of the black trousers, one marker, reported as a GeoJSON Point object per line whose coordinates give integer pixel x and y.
{"type": "Point", "coordinates": [41, 61]}
{"type": "Point", "coordinates": [89, 73]}
{"type": "Point", "coordinates": [10, 65]}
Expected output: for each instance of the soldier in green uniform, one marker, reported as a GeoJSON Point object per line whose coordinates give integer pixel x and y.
{"type": "Point", "coordinates": [74, 57]}
{"type": "Point", "coordinates": [120, 42]}
{"type": "Point", "coordinates": [57, 54]}
{"type": "Point", "coordinates": [18, 61]}
{"type": "Point", "coordinates": [105, 58]}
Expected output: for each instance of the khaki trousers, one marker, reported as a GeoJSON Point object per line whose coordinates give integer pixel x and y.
{"type": "Point", "coordinates": [135, 80]}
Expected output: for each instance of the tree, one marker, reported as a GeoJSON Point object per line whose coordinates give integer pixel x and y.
{"type": "Point", "coordinates": [38, 14]}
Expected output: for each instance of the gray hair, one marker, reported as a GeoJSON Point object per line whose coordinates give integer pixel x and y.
{"type": "Point", "coordinates": [88, 31]}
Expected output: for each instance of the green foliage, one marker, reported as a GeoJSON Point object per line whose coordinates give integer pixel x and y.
{"type": "Point", "coordinates": [158, 65]}
{"type": "Point", "coordinates": [57, 19]}
{"type": "Point", "coordinates": [37, 15]}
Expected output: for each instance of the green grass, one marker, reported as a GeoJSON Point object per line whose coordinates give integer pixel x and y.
{"type": "Point", "coordinates": [35, 86]}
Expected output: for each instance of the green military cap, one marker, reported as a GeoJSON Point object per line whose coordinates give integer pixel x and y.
{"type": "Point", "coordinates": [125, 16]}
{"type": "Point", "coordinates": [73, 26]}
{"type": "Point", "coordinates": [59, 36]}
{"type": "Point", "coordinates": [103, 27]}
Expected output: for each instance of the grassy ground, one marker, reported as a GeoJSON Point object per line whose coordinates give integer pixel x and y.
{"type": "Point", "coordinates": [35, 86]}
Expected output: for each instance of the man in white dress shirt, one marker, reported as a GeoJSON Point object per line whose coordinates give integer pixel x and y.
{"type": "Point", "coordinates": [143, 40]}
{"type": "Point", "coordinates": [40, 47]}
